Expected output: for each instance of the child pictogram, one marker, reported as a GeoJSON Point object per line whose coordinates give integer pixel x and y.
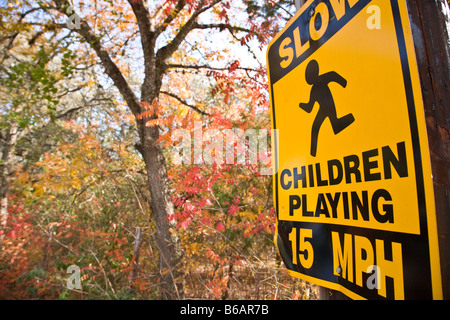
{"type": "Point", "coordinates": [321, 93]}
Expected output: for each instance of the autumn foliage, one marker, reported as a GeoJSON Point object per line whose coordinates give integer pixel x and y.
{"type": "Point", "coordinates": [78, 183]}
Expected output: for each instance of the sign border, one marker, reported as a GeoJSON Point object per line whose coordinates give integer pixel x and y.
{"type": "Point", "coordinates": [425, 208]}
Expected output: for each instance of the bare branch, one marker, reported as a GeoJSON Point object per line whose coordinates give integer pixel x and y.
{"type": "Point", "coordinates": [166, 51]}
{"type": "Point", "coordinates": [212, 4]}
{"type": "Point", "coordinates": [110, 67]}
{"type": "Point", "coordinates": [198, 67]}
{"type": "Point", "coordinates": [185, 103]}
{"type": "Point", "coordinates": [246, 44]}
{"type": "Point", "coordinates": [221, 27]}
{"type": "Point", "coordinates": [10, 36]}
{"type": "Point", "coordinates": [169, 49]}
{"type": "Point", "coordinates": [68, 112]}
{"type": "Point", "coordinates": [180, 5]}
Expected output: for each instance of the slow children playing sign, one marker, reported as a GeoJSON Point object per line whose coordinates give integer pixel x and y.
{"type": "Point", "coordinates": [353, 190]}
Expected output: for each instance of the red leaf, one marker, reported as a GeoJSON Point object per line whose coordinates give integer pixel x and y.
{"type": "Point", "coordinates": [220, 227]}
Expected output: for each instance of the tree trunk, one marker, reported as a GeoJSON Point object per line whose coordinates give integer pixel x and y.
{"type": "Point", "coordinates": [3, 207]}
{"type": "Point", "coordinates": [7, 145]}
{"type": "Point", "coordinates": [136, 255]}
{"type": "Point", "coordinates": [162, 209]}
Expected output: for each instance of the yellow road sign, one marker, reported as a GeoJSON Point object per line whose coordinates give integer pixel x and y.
{"type": "Point", "coordinates": [353, 191]}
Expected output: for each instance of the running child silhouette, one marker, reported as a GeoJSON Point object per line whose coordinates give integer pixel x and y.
{"type": "Point", "coordinates": [320, 93]}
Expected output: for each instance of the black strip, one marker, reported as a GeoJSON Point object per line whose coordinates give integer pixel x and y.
{"type": "Point", "coordinates": [414, 255]}
{"type": "Point", "coordinates": [275, 149]}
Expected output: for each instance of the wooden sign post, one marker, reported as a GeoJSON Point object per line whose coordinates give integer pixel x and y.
{"type": "Point", "coordinates": [430, 21]}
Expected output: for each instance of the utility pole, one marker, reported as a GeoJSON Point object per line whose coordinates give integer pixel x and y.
{"type": "Point", "coordinates": [431, 26]}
